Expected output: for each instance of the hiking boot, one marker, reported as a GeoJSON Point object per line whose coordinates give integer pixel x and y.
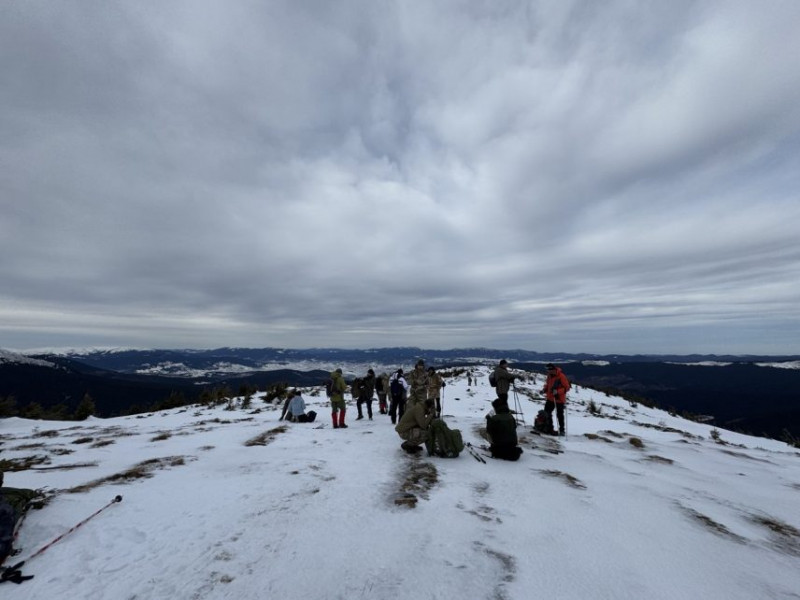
{"type": "Point", "coordinates": [561, 433]}
{"type": "Point", "coordinates": [335, 426]}
{"type": "Point", "coordinates": [342, 426]}
{"type": "Point", "coordinates": [410, 448]}
{"type": "Point", "coordinates": [359, 417]}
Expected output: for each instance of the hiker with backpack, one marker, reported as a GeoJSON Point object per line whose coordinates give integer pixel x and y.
{"type": "Point", "coordinates": [365, 394]}
{"type": "Point", "coordinates": [399, 389]}
{"type": "Point", "coordinates": [435, 385]}
{"type": "Point", "coordinates": [414, 424]}
{"type": "Point", "coordinates": [297, 409]}
{"type": "Point", "coordinates": [338, 406]}
{"type": "Point", "coordinates": [382, 388]}
{"type": "Point", "coordinates": [501, 427]}
{"type": "Point", "coordinates": [503, 380]}
{"type": "Point", "coordinates": [418, 380]}
{"type": "Point", "coordinates": [555, 390]}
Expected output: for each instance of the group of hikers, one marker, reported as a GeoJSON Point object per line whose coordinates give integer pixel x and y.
{"type": "Point", "coordinates": [413, 402]}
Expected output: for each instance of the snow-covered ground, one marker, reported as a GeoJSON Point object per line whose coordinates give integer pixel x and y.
{"type": "Point", "coordinates": [327, 514]}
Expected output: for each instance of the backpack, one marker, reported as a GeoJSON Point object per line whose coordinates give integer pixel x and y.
{"type": "Point", "coordinates": [397, 388]}
{"type": "Point", "coordinates": [329, 387]}
{"type": "Point", "coordinates": [443, 441]}
{"type": "Point", "coordinates": [542, 422]}
{"type": "Point", "coordinates": [379, 384]}
{"type": "Point", "coordinates": [492, 379]}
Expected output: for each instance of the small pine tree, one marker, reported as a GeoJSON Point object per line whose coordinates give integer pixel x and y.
{"type": "Point", "coordinates": [85, 409]}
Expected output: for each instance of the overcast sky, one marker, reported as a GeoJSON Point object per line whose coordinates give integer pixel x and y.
{"type": "Point", "coordinates": [612, 177]}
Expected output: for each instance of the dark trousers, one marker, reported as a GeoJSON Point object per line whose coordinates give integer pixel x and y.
{"type": "Point", "coordinates": [549, 406]}
{"type": "Point", "coordinates": [398, 405]}
{"type": "Point", "coordinates": [368, 402]}
{"type": "Point", "coordinates": [503, 397]}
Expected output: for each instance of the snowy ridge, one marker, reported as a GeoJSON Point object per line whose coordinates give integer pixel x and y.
{"type": "Point", "coordinates": [236, 504]}
{"type": "Point", "coordinates": [6, 356]}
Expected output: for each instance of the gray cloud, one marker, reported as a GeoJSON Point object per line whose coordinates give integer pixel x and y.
{"type": "Point", "coordinates": [548, 175]}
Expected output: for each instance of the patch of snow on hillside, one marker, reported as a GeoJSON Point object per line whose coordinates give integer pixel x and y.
{"type": "Point", "coordinates": [7, 356]}
{"type": "Point", "coordinates": [781, 365]}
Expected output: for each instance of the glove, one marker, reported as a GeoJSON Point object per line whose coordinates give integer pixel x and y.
{"type": "Point", "coordinates": [14, 575]}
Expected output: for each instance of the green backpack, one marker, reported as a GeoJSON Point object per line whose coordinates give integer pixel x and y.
{"type": "Point", "coordinates": [443, 441]}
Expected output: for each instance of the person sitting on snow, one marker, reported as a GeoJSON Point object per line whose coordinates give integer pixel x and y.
{"type": "Point", "coordinates": [501, 427]}
{"type": "Point", "coordinates": [297, 409]}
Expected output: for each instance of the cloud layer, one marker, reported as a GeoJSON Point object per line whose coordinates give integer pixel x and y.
{"type": "Point", "coordinates": [547, 175]}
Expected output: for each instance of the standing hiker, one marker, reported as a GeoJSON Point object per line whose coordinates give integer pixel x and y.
{"type": "Point", "coordinates": [365, 394]}
{"type": "Point", "coordinates": [555, 390]}
{"type": "Point", "coordinates": [338, 406]}
{"type": "Point", "coordinates": [503, 380]}
{"type": "Point", "coordinates": [418, 380]}
{"type": "Point", "coordinates": [399, 389]}
{"type": "Point", "coordinates": [382, 388]}
{"type": "Point", "coordinates": [435, 385]}
{"type": "Point", "coordinates": [501, 426]}
{"type": "Point", "coordinates": [413, 427]}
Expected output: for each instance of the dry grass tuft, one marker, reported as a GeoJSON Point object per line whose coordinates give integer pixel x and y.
{"type": "Point", "coordinates": [711, 524]}
{"type": "Point", "coordinates": [660, 459]}
{"type": "Point", "coordinates": [143, 470]}
{"type": "Point", "coordinates": [636, 442]}
{"type": "Point", "coordinates": [594, 436]}
{"type": "Point", "coordinates": [265, 438]}
{"type": "Point", "coordinates": [101, 443]}
{"type": "Point", "coordinates": [164, 435]}
{"type": "Point", "coordinates": [570, 480]}
{"type": "Point", "coordinates": [23, 464]}
{"type": "Point", "coordinates": [83, 440]}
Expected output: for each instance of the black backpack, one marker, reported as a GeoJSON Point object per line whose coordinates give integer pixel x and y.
{"type": "Point", "coordinates": [397, 388]}
{"type": "Point", "coordinates": [542, 422]}
{"type": "Point", "coordinates": [492, 379]}
{"type": "Point", "coordinates": [379, 384]}
{"type": "Point", "coordinates": [329, 387]}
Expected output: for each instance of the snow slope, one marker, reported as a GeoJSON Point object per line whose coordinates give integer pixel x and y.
{"type": "Point", "coordinates": [326, 514]}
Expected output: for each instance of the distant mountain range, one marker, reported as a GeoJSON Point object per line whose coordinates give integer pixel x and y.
{"type": "Point", "coordinates": [740, 392]}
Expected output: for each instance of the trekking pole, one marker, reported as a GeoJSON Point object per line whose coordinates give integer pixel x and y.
{"type": "Point", "coordinates": [63, 535]}
{"type": "Point", "coordinates": [518, 406]}
{"type": "Point", "coordinates": [14, 573]}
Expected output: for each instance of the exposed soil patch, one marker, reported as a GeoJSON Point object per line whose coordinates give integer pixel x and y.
{"type": "Point", "coordinates": [417, 480]}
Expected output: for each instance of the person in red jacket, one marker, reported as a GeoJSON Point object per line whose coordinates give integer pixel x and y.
{"type": "Point", "coordinates": [555, 390]}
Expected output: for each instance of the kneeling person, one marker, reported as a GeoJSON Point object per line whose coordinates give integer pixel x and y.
{"type": "Point", "coordinates": [413, 426]}
{"type": "Point", "coordinates": [502, 429]}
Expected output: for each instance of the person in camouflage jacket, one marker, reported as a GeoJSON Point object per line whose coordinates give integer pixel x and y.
{"type": "Point", "coordinates": [418, 380]}
{"type": "Point", "coordinates": [338, 406]}
{"type": "Point", "coordinates": [435, 385]}
{"type": "Point", "coordinates": [504, 380]}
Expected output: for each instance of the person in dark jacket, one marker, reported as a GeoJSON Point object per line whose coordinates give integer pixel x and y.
{"type": "Point", "coordinates": [365, 394]}
{"type": "Point", "coordinates": [399, 391]}
{"type": "Point", "coordinates": [502, 430]}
